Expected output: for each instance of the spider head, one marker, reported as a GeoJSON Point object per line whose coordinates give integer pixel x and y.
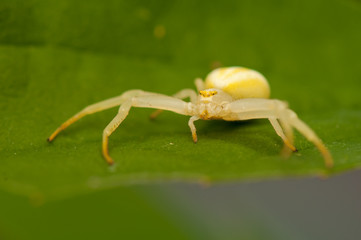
{"type": "Point", "coordinates": [214, 95]}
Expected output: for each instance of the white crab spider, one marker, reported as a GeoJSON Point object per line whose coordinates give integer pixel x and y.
{"type": "Point", "coordinates": [231, 94]}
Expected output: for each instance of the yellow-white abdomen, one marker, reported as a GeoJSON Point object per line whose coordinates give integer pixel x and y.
{"type": "Point", "coordinates": [239, 82]}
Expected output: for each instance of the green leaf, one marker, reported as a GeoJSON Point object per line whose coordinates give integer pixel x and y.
{"type": "Point", "coordinates": [57, 57]}
{"type": "Point", "coordinates": [115, 212]}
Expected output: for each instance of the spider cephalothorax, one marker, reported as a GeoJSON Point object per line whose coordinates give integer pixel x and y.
{"type": "Point", "coordinates": [231, 94]}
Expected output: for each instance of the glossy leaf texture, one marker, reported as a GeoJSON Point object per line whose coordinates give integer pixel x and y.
{"type": "Point", "coordinates": [57, 57]}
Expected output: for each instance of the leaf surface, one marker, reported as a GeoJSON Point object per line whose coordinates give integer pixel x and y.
{"type": "Point", "coordinates": [58, 57]}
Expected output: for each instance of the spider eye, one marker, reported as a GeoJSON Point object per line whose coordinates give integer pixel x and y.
{"type": "Point", "coordinates": [206, 93]}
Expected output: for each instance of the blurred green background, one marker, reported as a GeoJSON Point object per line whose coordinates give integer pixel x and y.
{"type": "Point", "coordinates": [58, 56]}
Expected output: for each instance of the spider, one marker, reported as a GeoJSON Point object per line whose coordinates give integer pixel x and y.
{"type": "Point", "coordinates": [229, 93]}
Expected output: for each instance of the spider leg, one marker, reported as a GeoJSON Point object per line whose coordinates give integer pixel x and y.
{"type": "Point", "coordinates": [185, 93]}
{"type": "Point", "coordinates": [193, 128]}
{"type": "Point", "coordinates": [306, 131]}
{"type": "Point", "coordinates": [288, 130]}
{"type": "Point", "coordinates": [110, 128]}
{"type": "Point", "coordinates": [199, 84]}
{"type": "Point", "coordinates": [277, 127]}
{"type": "Point", "coordinates": [245, 109]}
{"type": "Point", "coordinates": [97, 107]}
{"type": "Point", "coordinates": [147, 101]}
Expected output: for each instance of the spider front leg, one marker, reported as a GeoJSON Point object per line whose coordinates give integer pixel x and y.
{"type": "Point", "coordinates": [251, 106]}
{"type": "Point", "coordinates": [148, 101]}
{"type": "Point", "coordinates": [306, 131]}
{"type": "Point", "coordinates": [185, 93]}
{"type": "Point", "coordinates": [288, 130]}
{"type": "Point", "coordinates": [285, 132]}
{"type": "Point", "coordinates": [200, 85]}
{"type": "Point", "coordinates": [114, 124]}
{"type": "Point", "coordinates": [193, 128]}
{"type": "Point", "coordinates": [97, 107]}
{"type": "Point", "coordinates": [274, 109]}
{"type": "Point", "coordinates": [288, 141]}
